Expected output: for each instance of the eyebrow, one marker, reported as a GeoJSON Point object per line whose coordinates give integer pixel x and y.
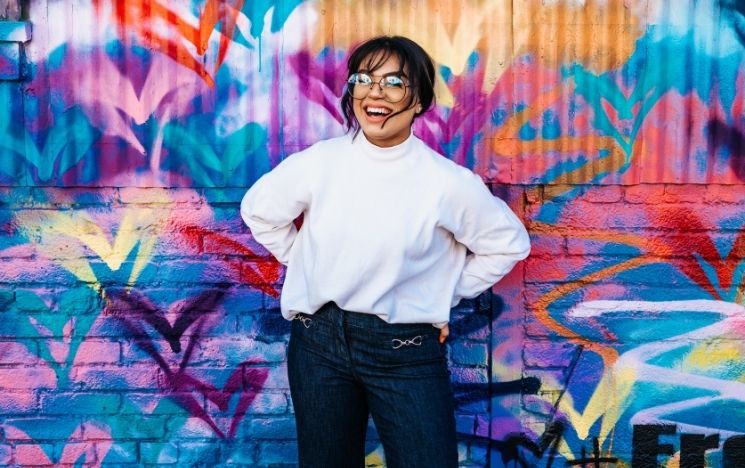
{"type": "Point", "coordinates": [370, 72]}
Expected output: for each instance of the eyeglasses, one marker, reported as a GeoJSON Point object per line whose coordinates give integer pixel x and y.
{"type": "Point", "coordinates": [393, 87]}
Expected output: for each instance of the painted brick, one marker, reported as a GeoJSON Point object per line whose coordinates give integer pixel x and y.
{"type": "Point", "coordinates": [557, 190]}
{"type": "Point", "coordinates": [7, 297]}
{"type": "Point", "coordinates": [190, 428]}
{"type": "Point", "coordinates": [687, 193]}
{"type": "Point", "coordinates": [198, 453]}
{"type": "Point", "coordinates": [6, 454]}
{"type": "Point", "coordinates": [597, 247]}
{"type": "Point", "coordinates": [241, 454]}
{"type": "Point", "coordinates": [76, 197]}
{"type": "Point", "coordinates": [19, 402]}
{"type": "Point", "coordinates": [21, 352]}
{"type": "Point", "coordinates": [121, 453]}
{"type": "Point", "coordinates": [462, 453]}
{"type": "Point", "coordinates": [115, 377]}
{"type": "Point", "coordinates": [602, 193]}
{"type": "Point", "coordinates": [543, 245]}
{"type": "Point", "coordinates": [28, 452]}
{"type": "Point", "coordinates": [477, 455]}
{"type": "Point", "coordinates": [534, 194]}
{"type": "Point", "coordinates": [153, 196]}
{"type": "Point", "coordinates": [469, 353]}
{"type": "Point", "coordinates": [216, 244]}
{"type": "Point", "coordinates": [234, 351]}
{"type": "Point", "coordinates": [559, 271]}
{"type": "Point", "coordinates": [720, 194]}
{"type": "Point", "coordinates": [141, 425]}
{"type": "Point", "coordinates": [80, 403]}
{"type": "Point", "coordinates": [644, 193]}
{"type": "Point", "coordinates": [276, 378]}
{"type": "Point", "coordinates": [469, 326]}
{"type": "Point", "coordinates": [158, 452]}
{"type": "Point", "coordinates": [278, 452]}
{"type": "Point", "coordinates": [52, 428]}
{"type": "Point", "coordinates": [465, 423]}
{"type": "Point", "coordinates": [269, 403]}
{"type": "Point", "coordinates": [98, 352]}
{"type": "Point", "coordinates": [70, 453]}
{"type": "Point", "coordinates": [33, 271]}
{"type": "Point", "coordinates": [271, 428]}
{"type": "Point", "coordinates": [546, 353]}
{"type": "Point", "coordinates": [16, 197]}
{"type": "Point", "coordinates": [26, 378]}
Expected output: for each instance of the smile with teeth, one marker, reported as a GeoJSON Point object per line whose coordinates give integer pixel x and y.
{"type": "Point", "coordinates": [377, 111]}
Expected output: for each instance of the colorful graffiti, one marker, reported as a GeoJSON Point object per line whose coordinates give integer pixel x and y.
{"type": "Point", "coordinates": [139, 317]}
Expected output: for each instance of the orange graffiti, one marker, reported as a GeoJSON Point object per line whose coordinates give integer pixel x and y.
{"type": "Point", "coordinates": [163, 28]}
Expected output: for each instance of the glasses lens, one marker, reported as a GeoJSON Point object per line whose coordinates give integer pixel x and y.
{"type": "Point", "coordinates": [358, 85]}
{"type": "Point", "coordinates": [393, 87]}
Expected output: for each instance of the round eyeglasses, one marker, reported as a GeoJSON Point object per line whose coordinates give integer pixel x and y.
{"type": "Point", "coordinates": [393, 87]}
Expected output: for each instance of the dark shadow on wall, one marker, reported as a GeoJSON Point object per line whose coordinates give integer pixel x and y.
{"type": "Point", "coordinates": [720, 135]}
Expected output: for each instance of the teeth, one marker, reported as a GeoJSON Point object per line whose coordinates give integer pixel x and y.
{"type": "Point", "coordinates": [378, 110]}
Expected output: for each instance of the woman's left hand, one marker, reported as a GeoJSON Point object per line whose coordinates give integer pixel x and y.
{"type": "Point", "coordinates": [444, 332]}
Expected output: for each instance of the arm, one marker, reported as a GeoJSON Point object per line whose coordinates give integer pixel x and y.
{"type": "Point", "coordinates": [271, 205]}
{"type": "Point", "coordinates": [489, 229]}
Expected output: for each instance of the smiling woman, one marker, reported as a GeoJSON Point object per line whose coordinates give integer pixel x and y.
{"type": "Point", "coordinates": [380, 259]}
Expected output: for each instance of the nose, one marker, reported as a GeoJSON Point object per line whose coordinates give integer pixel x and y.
{"type": "Point", "coordinates": [376, 89]}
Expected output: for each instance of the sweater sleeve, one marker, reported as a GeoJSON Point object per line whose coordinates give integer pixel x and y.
{"type": "Point", "coordinates": [272, 204]}
{"type": "Point", "coordinates": [490, 230]}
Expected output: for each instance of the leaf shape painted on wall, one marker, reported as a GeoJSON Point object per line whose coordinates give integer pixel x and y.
{"type": "Point", "coordinates": [132, 310]}
{"type": "Point", "coordinates": [117, 106]}
{"type": "Point", "coordinates": [173, 33]}
{"type": "Point", "coordinates": [88, 445]}
{"type": "Point", "coordinates": [200, 154]}
{"type": "Point", "coordinates": [136, 234]}
{"type": "Point", "coordinates": [66, 143]}
{"type": "Point", "coordinates": [59, 330]}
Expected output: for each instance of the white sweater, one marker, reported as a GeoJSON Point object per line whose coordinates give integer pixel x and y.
{"type": "Point", "coordinates": [385, 230]}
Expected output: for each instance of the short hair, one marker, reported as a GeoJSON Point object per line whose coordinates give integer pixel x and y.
{"type": "Point", "coordinates": [414, 61]}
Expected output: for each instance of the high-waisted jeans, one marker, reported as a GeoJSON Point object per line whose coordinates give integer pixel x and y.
{"type": "Point", "coordinates": [344, 366]}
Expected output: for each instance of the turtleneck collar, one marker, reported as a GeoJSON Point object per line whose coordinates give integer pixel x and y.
{"type": "Point", "coordinates": [384, 154]}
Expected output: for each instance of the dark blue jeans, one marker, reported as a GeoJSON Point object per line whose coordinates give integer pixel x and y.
{"type": "Point", "coordinates": [344, 366]}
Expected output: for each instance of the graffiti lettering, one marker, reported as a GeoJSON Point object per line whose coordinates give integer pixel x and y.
{"type": "Point", "coordinates": [647, 447]}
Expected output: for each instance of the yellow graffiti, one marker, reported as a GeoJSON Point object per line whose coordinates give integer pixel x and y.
{"type": "Point", "coordinates": [69, 238]}
{"type": "Point", "coordinates": [714, 353]}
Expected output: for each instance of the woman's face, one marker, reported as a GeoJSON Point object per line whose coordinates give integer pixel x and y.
{"type": "Point", "coordinates": [374, 109]}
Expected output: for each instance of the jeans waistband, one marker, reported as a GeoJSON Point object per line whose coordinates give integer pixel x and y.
{"type": "Point", "coordinates": [335, 314]}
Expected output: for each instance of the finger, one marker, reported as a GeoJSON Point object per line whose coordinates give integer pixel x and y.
{"type": "Point", "coordinates": [444, 332]}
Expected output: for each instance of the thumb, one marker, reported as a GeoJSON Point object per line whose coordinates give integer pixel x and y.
{"type": "Point", "coordinates": [444, 332]}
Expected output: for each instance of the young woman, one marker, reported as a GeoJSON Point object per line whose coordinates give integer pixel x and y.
{"type": "Point", "coordinates": [382, 256]}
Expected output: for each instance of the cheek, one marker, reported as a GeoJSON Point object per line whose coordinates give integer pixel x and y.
{"type": "Point", "coordinates": [357, 108]}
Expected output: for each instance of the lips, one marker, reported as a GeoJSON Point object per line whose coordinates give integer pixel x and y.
{"type": "Point", "coordinates": [376, 112]}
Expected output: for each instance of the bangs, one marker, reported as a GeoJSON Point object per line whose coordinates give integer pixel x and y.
{"type": "Point", "coordinates": [376, 58]}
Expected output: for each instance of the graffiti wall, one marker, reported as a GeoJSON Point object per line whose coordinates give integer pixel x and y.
{"type": "Point", "coordinates": [139, 320]}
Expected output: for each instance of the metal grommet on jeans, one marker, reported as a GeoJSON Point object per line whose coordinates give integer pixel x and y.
{"type": "Point", "coordinates": [344, 366]}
